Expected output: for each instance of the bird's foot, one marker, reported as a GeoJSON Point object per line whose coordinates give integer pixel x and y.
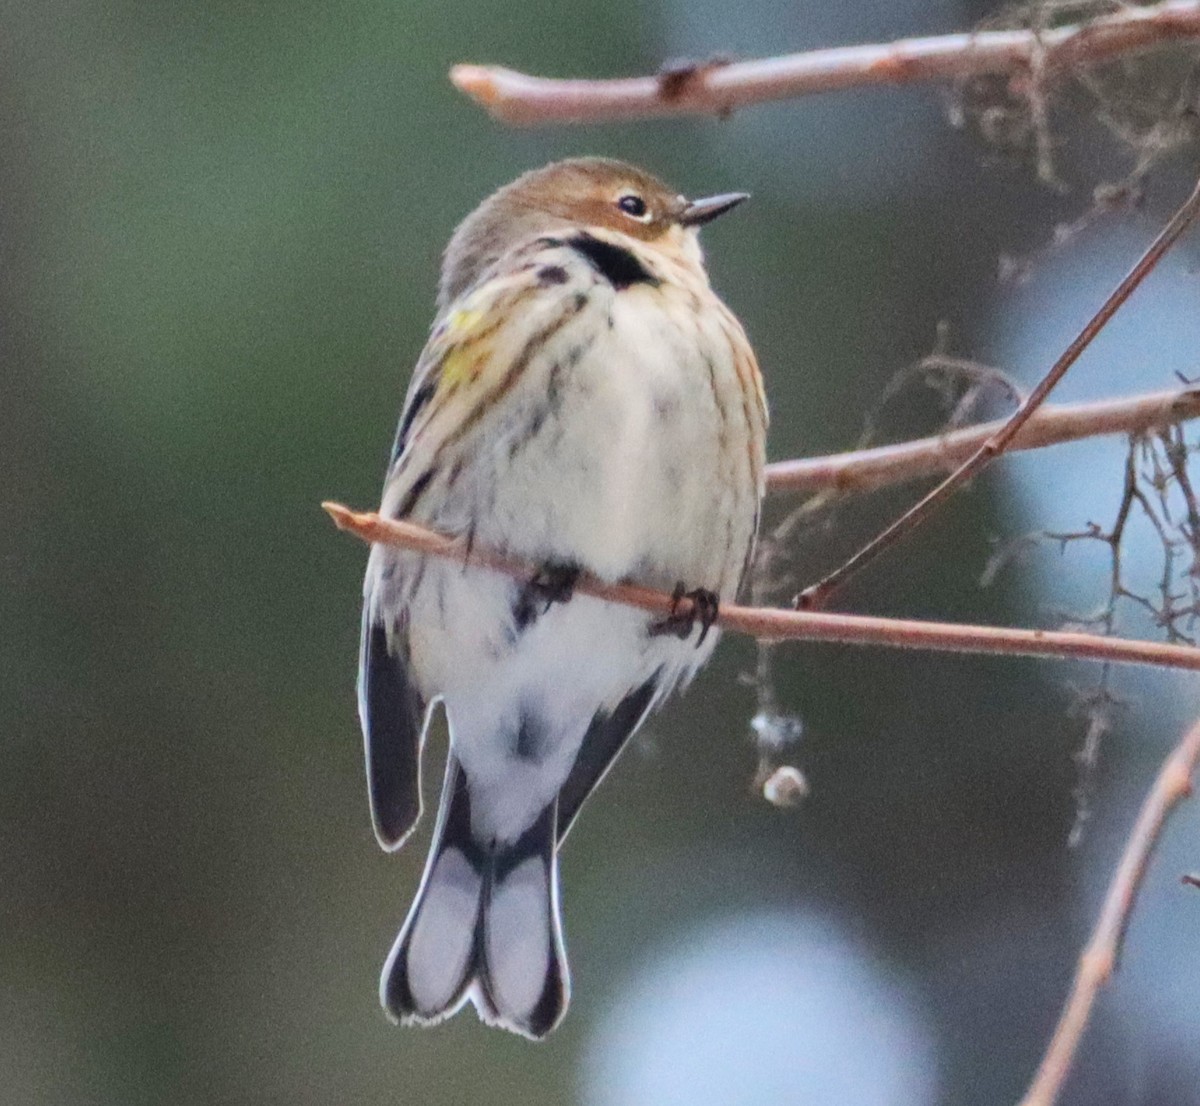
{"type": "Point", "coordinates": [703, 607]}
{"type": "Point", "coordinates": [553, 583]}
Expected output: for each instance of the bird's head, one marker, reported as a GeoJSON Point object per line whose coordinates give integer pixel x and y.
{"type": "Point", "coordinates": [592, 194]}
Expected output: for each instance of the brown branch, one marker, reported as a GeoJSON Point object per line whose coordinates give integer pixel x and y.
{"type": "Point", "coordinates": [1099, 959]}
{"type": "Point", "coordinates": [819, 593]}
{"type": "Point", "coordinates": [716, 88]}
{"type": "Point", "coordinates": [771, 624]}
{"type": "Point", "coordinates": [865, 470]}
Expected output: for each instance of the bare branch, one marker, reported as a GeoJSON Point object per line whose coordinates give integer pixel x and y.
{"type": "Point", "coordinates": [772, 624]}
{"type": "Point", "coordinates": [866, 470]}
{"type": "Point", "coordinates": [719, 88]}
{"type": "Point", "coordinates": [819, 593]}
{"type": "Point", "coordinates": [1099, 959]}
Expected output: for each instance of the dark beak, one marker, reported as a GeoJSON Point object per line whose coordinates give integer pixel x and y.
{"type": "Point", "coordinates": [699, 212]}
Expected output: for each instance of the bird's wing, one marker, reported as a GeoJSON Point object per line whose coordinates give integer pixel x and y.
{"type": "Point", "coordinates": [603, 742]}
{"type": "Point", "coordinates": [394, 716]}
{"type": "Point", "coordinates": [392, 711]}
{"type": "Point", "coordinates": [472, 357]}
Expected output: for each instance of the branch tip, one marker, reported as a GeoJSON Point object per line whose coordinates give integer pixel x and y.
{"type": "Point", "coordinates": [343, 517]}
{"type": "Point", "coordinates": [475, 81]}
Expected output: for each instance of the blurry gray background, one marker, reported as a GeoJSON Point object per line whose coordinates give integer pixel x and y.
{"type": "Point", "coordinates": [220, 228]}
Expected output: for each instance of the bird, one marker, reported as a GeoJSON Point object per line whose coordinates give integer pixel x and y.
{"type": "Point", "coordinates": [585, 403]}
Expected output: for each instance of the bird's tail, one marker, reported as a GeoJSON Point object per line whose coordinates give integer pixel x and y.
{"type": "Point", "coordinates": [485, 926]}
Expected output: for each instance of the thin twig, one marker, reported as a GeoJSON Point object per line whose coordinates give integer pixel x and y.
{"type": "Point", "coordinates": [717, 88]}
{"type": "Point", "coordinates": [1099, 959]}
{"type": "Point", "coordinates": [819, 593]}
{"type": "Point", "coordinates": [771, 624]}
{"type": "Point", "coordinates": [866, 470]}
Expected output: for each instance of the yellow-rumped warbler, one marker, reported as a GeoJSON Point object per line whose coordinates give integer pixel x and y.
{"type": "Point", "coordinates": [585, 402]}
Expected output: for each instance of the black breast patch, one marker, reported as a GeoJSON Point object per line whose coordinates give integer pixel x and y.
{"type": "Point", "coordinates": [618, 266]}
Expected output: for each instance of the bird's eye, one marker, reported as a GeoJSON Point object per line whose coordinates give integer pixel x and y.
{"type": "Point", "coordinates": [634, 206]}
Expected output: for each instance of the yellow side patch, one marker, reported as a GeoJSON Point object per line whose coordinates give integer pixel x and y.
{"type": "Point", "coordinates": [465, 355]}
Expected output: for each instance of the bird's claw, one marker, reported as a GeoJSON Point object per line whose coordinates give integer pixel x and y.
{"type": "Point", "coordinates": [703, 607]}
{"type": "Point", "coordinates": [553, 583]}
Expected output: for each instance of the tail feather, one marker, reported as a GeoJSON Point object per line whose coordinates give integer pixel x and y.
{"type": "Point", "coordinates": [485, 925]}
{"type": "Point", "coordinates": [432, 963]}
{"type": "Point", "coordinates": [523, 965]}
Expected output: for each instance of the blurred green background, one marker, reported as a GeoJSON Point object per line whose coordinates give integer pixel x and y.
{"type": "Point", "coordinates": [220, 228]}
